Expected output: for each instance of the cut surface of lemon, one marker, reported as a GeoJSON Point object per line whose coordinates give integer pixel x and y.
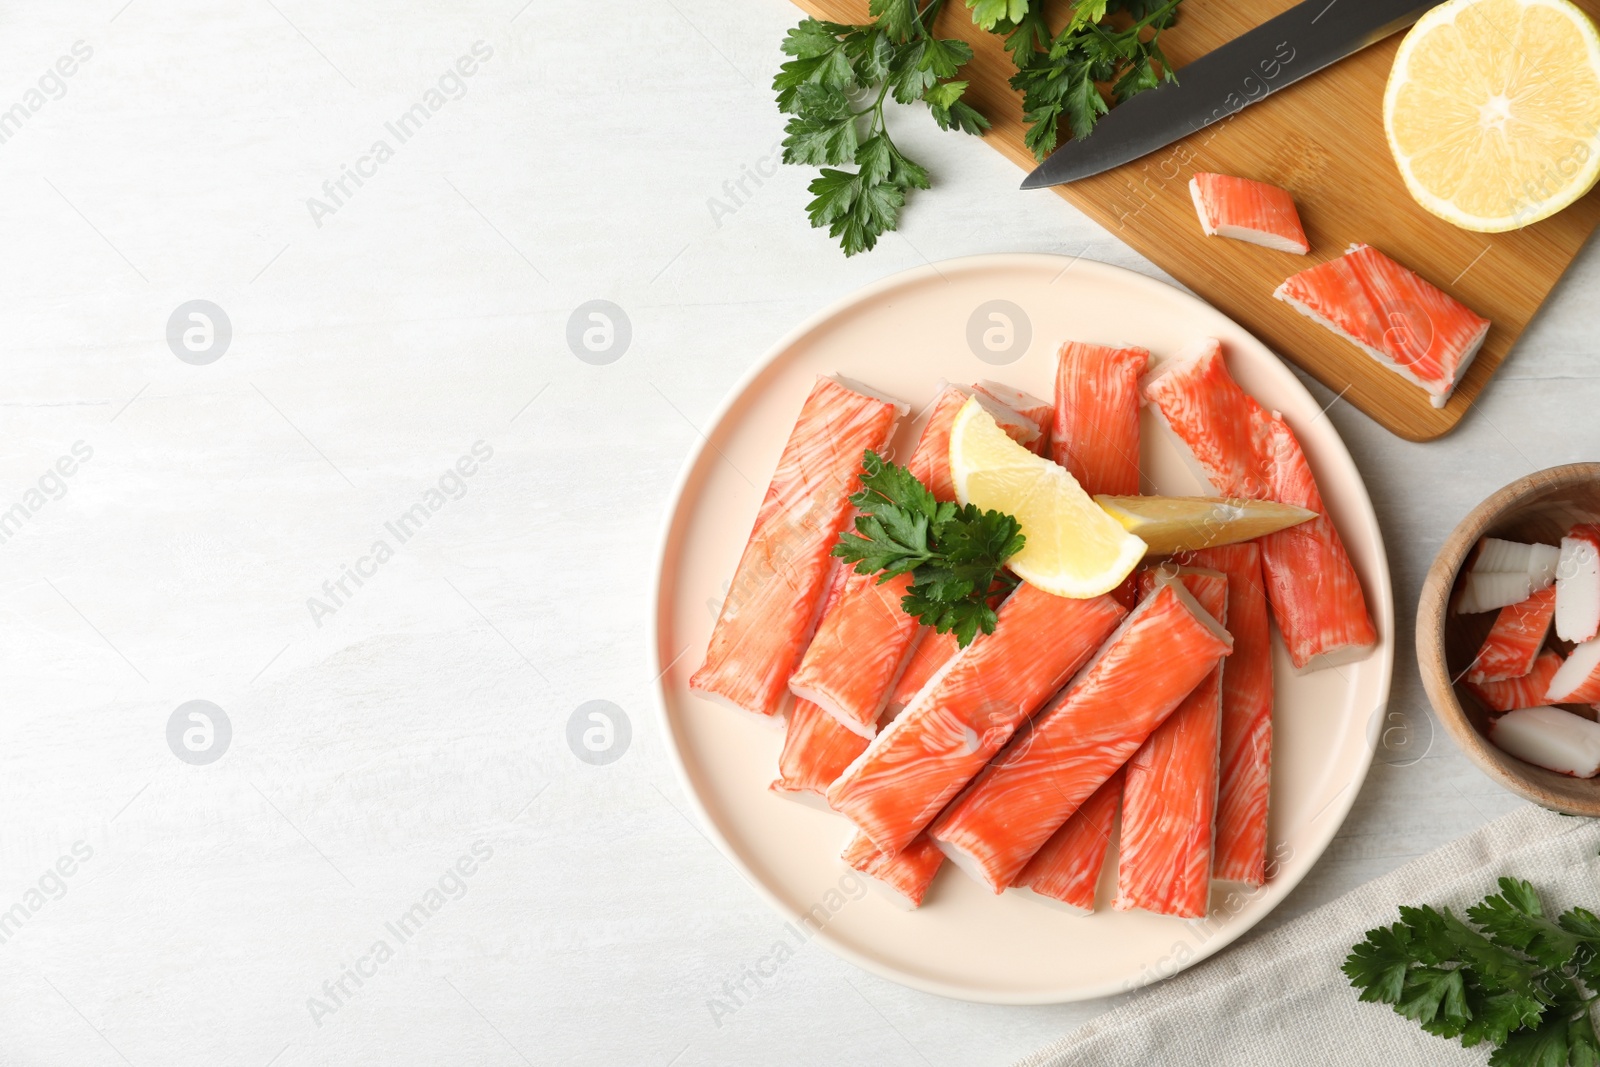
{"type": "Point", "coordinates": [1073, 548]}
{"type": "Point", "coordinates": [1181, 523]}
{"type": "Point", "coordinates": [1493, 111]}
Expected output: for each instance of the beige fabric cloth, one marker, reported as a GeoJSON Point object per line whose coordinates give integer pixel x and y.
{"type": "Point", "coordinates": [1282, 999]}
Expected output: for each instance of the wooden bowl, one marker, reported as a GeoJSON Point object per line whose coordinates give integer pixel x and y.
{"type": "Point", "coordinates": [1540, 507]}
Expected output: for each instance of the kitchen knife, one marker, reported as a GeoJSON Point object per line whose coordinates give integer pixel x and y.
{"type": "Point", "coordinates": [1301, 41]}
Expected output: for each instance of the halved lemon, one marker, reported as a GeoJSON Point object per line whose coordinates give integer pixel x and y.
{"type": "Point", "coordinates": [1073, 548]}
{"type": "Point", "coordinates": [1493, 111]}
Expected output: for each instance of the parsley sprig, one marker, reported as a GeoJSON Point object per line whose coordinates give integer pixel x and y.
{"type": "Point", "coordinates": [1060, 74]}
{"type": "Point", "coordinates": [1521, 981]}
{"type": "Point", "coordinates": [834, 66]}
{"type": "Point", "coordinates": [954, 553]}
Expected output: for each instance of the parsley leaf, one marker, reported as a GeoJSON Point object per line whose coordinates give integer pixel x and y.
{"type": "Point", "coordinates": [953, 553]}
{"type": "Point", "coordinates": [834, 68]}
{"type": "Point", "coordinates": [1514, 977]}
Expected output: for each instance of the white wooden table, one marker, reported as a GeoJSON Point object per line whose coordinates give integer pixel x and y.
{"type": "Point", "coordinates": [391, 735]}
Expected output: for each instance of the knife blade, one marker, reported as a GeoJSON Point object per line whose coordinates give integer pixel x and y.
{"type": "Point", "coordinates": [1279, 52]}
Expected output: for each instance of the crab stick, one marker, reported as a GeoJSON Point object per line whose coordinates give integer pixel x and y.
{"type": "Point", "coordinates": [1039, 412]}
{"type": "Point", "coordinates": [1578, 584]}
{"type": "Point", "coordinates": [906, 876]}
{"type": "Point", "coordinates": [1405, 323]}
{"type": "Point", "coordinates": [969, 710]}
{"type": "Point", "coordinates": [1551, 738]}
{"type": "Point", "coordinates": [1169, 801]}
{"type": "Point", "coordinates": [1531, 689]}
{"type": "Point", "coordinates": [1247, 210]}
{"type": "Point", "coordinates": [1096, 434]}
{"type": "Point", "coordinates": [1515, 639]}
{"type": "Point", "coordinates": [1578, 680]}
{"type": "Point", "coordinates": [816, 750]}
{"type": "Point", "coordinates": [782, 576]}
{"type": "Point", "coordinates": [1066, 869]}
{"type": "Point", "coordinates": [933, 651]}
{"type": "Point", "coordinates": [1155, 659]}
{"type": "Point", "coordinates": [1249, 452]}
{"type": "Point", "coordinates": [864, 639]}
{"type": "Point", "coordinates": [1245, 766]}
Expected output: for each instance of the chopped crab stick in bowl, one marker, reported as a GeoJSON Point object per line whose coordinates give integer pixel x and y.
{"type": "Point", "coordinates": [1139, 676]}
{"type": "Point", "coordinates": [1578, 680]}
{"type": "Point", "coordinates": [1405, 323]}
{"type": "Point", "coordinates": [904, 878]}
{"type": "Point", "coordinates": [1169, 802]}
{"type": "Point", "coordinates": [1249, 452]}
{"type": "Point", "coordinates": [1239, 853]}
{"type": "Point", "coordinates": [1504, 572]}
{"type": "Point", "coordinates": [1066, 870]}
{"type": "Point", "coordinates": [1247, 210]}
{"type": "Point", "coordinates": [1527, 691]}
{"type": "Point", "coordinates": [1578, 584]}
{"type": "Point", "coordinates": [1551, 738]}
{"type": "Point", "coordinates": [816, 750]}
{"type": "Point", "coordinates": [782, 577]}
{"type": "Point", "coordinates": [1515, 639]}
{"type": "Point", "coordinates": [1492, 590]}
{"type": "Point", "coordinates": [967, 711]}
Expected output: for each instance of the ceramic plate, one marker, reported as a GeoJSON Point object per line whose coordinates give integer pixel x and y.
{"type": "Point", "coordinates": [999, 317]}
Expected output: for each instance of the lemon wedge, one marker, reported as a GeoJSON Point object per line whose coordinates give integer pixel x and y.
{"type": "Point", "coordinates": [1493, 111]}
{"type": "Point", "coordinates": [1073, 548]}
{"type": "Point", "coordinates": [1169, 524]}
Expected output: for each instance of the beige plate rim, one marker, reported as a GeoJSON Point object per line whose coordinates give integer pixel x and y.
{"type": "Point", "coordinates": [1358, 520]}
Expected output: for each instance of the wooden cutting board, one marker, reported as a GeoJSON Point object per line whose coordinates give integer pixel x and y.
{"type": "Point", "coordinates": [1322, 139]}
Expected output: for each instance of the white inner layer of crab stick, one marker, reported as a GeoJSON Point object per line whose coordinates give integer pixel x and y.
{"type": "Point", "coordinates": [1578, 584]}
{"type": "Point", "coordinates": [1578, 680]}
{"type": "Point", "coordinates": [1550, 738]}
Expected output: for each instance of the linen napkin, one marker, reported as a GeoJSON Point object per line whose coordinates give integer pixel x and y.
{"type": "Point", "coordinates": [1281, 999]}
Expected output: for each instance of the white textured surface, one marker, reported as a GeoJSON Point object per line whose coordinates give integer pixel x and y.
{"type": "Point", "coordinates": [423, 716]}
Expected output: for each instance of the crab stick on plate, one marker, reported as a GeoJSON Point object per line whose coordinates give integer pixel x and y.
{"type": "Point", "coordinates": [1140, 675]}
{"type": "Point", "coordinates": [967, 711]}
{"type": "Point", "coordinates": [1247, 210]}
{"type": "Point", "coordinates": [906, 876]}
{"type": "Point", "coordinates": [1405, 323]}
{"type": "Point", "coordinates": [782, 577]}
{"type": "Point", "coordinates": [1528, 691]}
{"type": "Point", "coordinates": [1515, 639]}
{"type": "Point", "coordinates": [1245, 772]}
{"type": "Point", "coordinates": [1096, 433]}
{"type": "Point", "coordinates": [1066, 869]}
{"type": "Point", "coordinates": [1249, 452]}
{"type": "Point", "coordinates": [1169, 801]}
{"type": "Point", "coordinates": [1039, 412]}
{"type": "Point", "coordinates": [816, 750]}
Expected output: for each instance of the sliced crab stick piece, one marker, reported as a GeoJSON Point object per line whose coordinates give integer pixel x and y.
{"type": "Point", "coordinates": [1578, 584]}
{"type": "Point", "coordinates": [1496, 555]}
{"type": "Point", "coordinates": [968, 711]}
{"type": "Point", "coordinates": [1247, 210]}
{"type": "Point", "coordinates": [906, 877]}
{"type": "Point", "coordinates": [1528, 691]}
{"type": "Point", "coordinates": [1578, 680]}
{"type": "Point", "coordinates": [1551, 738]}
{"type": "Point", "coordinates": [1154, 660]}
{"type": "Point", "coordinates": [1096, 433]}
{"type": "Point", "coordinates": [1248, 452]}
{"type": "Point", "coordinates": [782, 577]}
{"type": "Point", "coordinates": [816, 750]}
{"type": "Point", "coordinates": [1066, 869]}
{"type": "Point", "coordinates": [1245, 774]}
{"type": "Point", "coordinates": [1515, 639]}
{"type": "Point", "coordinates": [933, 651]}
{"type": "Point", "coordinates": [864, 640]}
{"type": "Point", "coordinates": [1039, 412]}
{"type": "Point", "coordinates": [1169, 803]}
{"type": "Point", "coordinates": [1410, 326]}
{"type": "Point", "coordinates": [1492, 590]}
